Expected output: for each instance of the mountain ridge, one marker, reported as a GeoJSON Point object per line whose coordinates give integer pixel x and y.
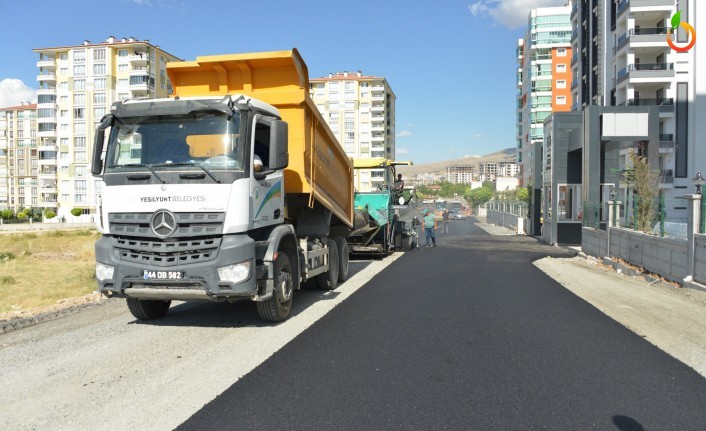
{"type": "Point", "coordinates": [506, 155]}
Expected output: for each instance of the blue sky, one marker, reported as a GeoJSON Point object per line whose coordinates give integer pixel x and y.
{"type": "Point", "coordinates": [451, 63]}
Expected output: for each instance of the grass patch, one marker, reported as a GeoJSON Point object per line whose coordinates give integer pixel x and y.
{"type": "Point", "coordinates": [45, 270]}
{"type": "Point", "coordinates": [6, 255]}
{"type": "Point", "coordinates": [6, 280]}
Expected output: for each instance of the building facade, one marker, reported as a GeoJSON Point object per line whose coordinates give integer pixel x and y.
{"type": "Point", "coordinates": [544, 80]}
{"type": "Point", "coordinates": [622, 58]}
{"type": "Point", "coordinates": [360, 110]}
{"type": "Point", "coordinates": [77, 85]}
{"type": "Point", "coordinates": [19, 157]}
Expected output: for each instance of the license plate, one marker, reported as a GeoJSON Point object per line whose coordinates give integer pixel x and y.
{"type": "Point", "coordinates": [162, 275]}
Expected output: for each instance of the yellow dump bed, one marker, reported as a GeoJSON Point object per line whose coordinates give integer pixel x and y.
{"type": "Point", "coordinates": [318, 165]}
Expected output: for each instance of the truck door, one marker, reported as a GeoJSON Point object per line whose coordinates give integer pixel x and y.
{"type": "Point", "coordinates": [267, 192]}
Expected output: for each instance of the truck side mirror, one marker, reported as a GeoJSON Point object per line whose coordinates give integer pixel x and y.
{"type": "Point", "coordinates": [96, 163]}
{"type": "Point", "coordinates": [279, 145]}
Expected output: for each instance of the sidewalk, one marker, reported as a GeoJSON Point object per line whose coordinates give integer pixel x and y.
{"type": "Point", "coordinates": [670, 317]}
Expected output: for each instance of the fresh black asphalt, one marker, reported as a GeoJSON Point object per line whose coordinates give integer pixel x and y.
{"type": "Point", "coordinates": [465, 336]}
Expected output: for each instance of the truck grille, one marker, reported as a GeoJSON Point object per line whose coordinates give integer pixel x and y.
{"type": "Point", "coordinates": [162, 253]}
{"type": "Point", "coordinates": [188, 224]}
{"type": "Point", "coordinates": [196, 238]}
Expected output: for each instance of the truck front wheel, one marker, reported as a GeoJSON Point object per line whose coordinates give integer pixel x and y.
{"type": "Point", "coordinates": [277, 308]}
{"type": "Point", "coordinates": [145, 309]}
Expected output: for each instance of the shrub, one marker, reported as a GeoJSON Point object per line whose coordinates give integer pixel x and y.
{"type": "Point", "coordinates": [22, 215]}
{"type": "Point", "coordinates": [76, 212]}
{"type": "Point", "coordinates": [7, 279]}
{"type": "Point", "coordinates": [50, 214]}
{"type": "Point", "coordinates": [6, 255]}
{"type": "Point", "coordinates": [7, 214]}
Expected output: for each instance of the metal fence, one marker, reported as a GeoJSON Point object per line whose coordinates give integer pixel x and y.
{"type": "Point", "coordinates": [518, 208]}
{"type": "Point", "coordinates": [592, 214]}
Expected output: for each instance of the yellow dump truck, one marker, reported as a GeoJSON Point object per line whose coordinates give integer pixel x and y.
{"type": "Point", "coordinates": [234, 188]}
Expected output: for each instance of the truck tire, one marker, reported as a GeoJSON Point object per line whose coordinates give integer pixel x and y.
{"type": "Point", "coordinates": [277, 308]}
{"type": "Point", "coordinates": [146, 309]}
{"type": "Point", "coordinates": [343, 258]}
{"type": "Point", "coordinates": [329, 280]}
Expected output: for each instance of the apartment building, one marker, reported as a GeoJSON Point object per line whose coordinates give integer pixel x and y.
{"type": "Point", "coordinates": [544, 81]}
{"type": "Point", "coordinates": [19, 161]}
{"type": "Point", "coordinates": [77, 85]}
{"type": "Point", "coordinates": [461, 174]}
{"type": "Point", "coordinates": [622, 59]}
{"type": "Point", "coordinates": [360, 110]}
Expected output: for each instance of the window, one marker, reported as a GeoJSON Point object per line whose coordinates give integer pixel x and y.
{"type": "Point", "coordinates": [81, 171]}
{"type": "Point", "coordinates": [80, 142]}
{"type": "Point", "coordinates": [561, 83]}
{"type": "Point", "coordinates": [99, 69]}
{"type": "Point", "coordinates": [561, 67]}
{"type": "Point", "coordinates": [99, 83]}
{"type": "Point", "coordinates": [561, 100]}
{"type": "Point", "coordinates": [79, 84]}
{"type": "Point", "coordinates": [99, 98]}
{"type": "Point", "coordinates": [79, 112]}
{"type": "Point", "coordinates": [122, 53]}
{"type": "Point", "coordinates": [64, 100]}
{"type": "Point", "coordinates": [80, 56]}
{"type": "Point", "coordinates": [99, 54]}
{"type": "Point", "coordinates": [80, 185]}
{"type": "Point", "coordinates": [80, 156]}
{"type": "Point", "coordinates": [80, 198]}
{"type": "Point", "coordinates": [99, 112]}
{"type": "Point", "coordinates": [122, 67]}
{"type": "Point", "coordinates": [79, 99]}
{"type": "Point", "coordinates": [80, 127]}
{"type": "Point", "coordinates": [561, 52]}
{"type": "Point", "coordinates": [123, 82]}
{"type": "Point", "coordinates": [63, 71]}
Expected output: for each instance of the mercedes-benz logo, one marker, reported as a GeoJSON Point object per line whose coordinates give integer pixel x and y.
{"type": "Point", "coordinates": [163, 223]}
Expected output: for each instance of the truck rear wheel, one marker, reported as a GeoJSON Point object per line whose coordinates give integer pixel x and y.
{"type": "Point", "coordinates": [277, 308]}
{"type": "Point", "coordinates": [329, 280]}
{"type": "Point", "coordinates": [146, 309]}
{"type": "Point", "coordinates": [343, 258]}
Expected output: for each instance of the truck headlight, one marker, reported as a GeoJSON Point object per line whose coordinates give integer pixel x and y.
{"type": "Point", "coordinates": [104, 272]}
{"type": "Point", "coordinates": [235, 273]}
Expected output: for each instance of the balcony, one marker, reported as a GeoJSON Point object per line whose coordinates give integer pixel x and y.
{"type": "Point", "coordinates": [47, 173]}
{"type": "Point", "coordinates": [666, 143]}
{"type": "Point", "coordinates": [574, 59]}
{"type": "Point", "coordinates": [378, 108]}
{"type": "Point", "coordinates": [574, 35]}
{"type": "Point", "coordinates": [622, 7]}
{"type": "Point", "coordinates": [647, 70]}
{"type": "Point", "coordinates": [47, 63]}
{"type": "Point", "coordinates": [138, 57]}
{"type": "Point", "coordinates": [574, 9]}
{"type": "Point", "coordinates": [46, 77]}
{"type": "Point", "coordinates": [666, 104]}
{"type": "Point", "coordinates": [666, 176]}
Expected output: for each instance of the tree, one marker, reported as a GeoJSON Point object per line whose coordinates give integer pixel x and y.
{"type": "Point", "coordinates": [480, 196]}
{"type": "Point", "coordinates": [646, 185]}
{"type": "Point", "coordinates": [76, 212]}
{"type": "Point", "coordinates": [7, 214]}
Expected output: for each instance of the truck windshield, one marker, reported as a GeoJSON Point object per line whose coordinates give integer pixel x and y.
{"type": "Point", "coordinates": [210, 140]}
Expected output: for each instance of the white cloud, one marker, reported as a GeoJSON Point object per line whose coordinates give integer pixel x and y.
{"type": "Point", "coordinates": [401, 151]}
{"type": "Point", "coordinates": [13, 92]}
{"type": "Point", "coordinates": [404, 133]}
{"type": "Point", "coordinates": [476, 136]}
{"type": "Point", "coordinates": [510, 13]}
